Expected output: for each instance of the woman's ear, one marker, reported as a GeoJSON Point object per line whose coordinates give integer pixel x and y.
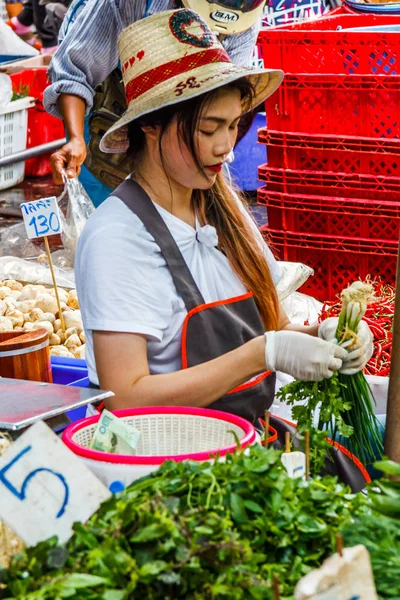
{"type": "Point", "coordinates": [151, 131]}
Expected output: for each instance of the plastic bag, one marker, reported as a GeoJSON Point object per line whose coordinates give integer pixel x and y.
{"type": "Point", "coordinates": [12, 45]}
{"type": "Point", "coordinates": [75, 207]}
{"type": "Point", "coordinates": [293, 277]}
{"type": "Point", "coordinates": [302, 309]}
{"type": "Point", "coordinates": [32, 271]}
{"type": "Point", "coordinates": [5, 90]}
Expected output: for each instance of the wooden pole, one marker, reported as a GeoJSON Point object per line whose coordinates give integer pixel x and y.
{"type": "Point", "coordinates": [266, 431]}
{"type": "Point", "coordinates": [307, 452]}
{"type": "Point", "coordinates": [392, 433]}
{"type": "Point", "coordinates": [275, 588]}
{"type": "Point", "coordinates": [60, 313]}
{"type": "Point", "coordinates": [339, 544]}
{"type": "Point", "coordinates": [287, 442]}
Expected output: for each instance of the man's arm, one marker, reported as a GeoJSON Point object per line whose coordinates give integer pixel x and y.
{"type": "Point", "coordinates": [87, 54]}
{"type": "Point", "coordinates": [240, 47]}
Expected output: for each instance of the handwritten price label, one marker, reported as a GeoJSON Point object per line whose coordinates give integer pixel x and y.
{"type": "Point", "coordinates": [41, 217]}
{"type": "Point", "coordinates": [45, 488]}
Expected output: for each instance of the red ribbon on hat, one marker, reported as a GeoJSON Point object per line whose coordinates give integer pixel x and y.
{"type": "Point", "coordinates": [180, 66]}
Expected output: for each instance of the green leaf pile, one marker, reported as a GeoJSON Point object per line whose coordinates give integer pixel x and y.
{"type": "Point", "coordinates": [193, 531]}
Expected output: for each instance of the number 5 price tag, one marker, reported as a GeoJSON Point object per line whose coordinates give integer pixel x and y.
{"type": "Point", "coordinates": [41, 217]}
{"type": "Point", "coordinates": [45, 488]}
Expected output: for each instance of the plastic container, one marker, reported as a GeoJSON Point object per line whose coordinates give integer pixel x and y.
{"type": "Point", "coordinates": [42, 127]}
{"type": "Point", "coordinates": [331, 215]}
{"type": "Point", "coordinates": [357, 105]}
{"type": "Point", "coordinates": [67, 371]}
{"type": "Point", "coordinates": [167, 433]}
{"type": "Point", "coordinates": [248, 155]}
{"type": "Point", "coordinates": [337, 261]}
{"type": "Point", "coordinates": [13, 134]}
{"type": "Point", "coordinates": [344, 154]}
{"type": "Point", "coordinates": [324, 46]}
{"type": "Point", "coordinates": [321, 183]}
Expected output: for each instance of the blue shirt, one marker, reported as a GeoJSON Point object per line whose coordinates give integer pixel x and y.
{"type": "Point", "coordinates": [88, 50]}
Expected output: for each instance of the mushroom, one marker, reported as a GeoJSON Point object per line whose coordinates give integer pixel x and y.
{"type": "Point", "coordinates": [44, 325]}
{"type": "Point", "coordinates": [26, 306]}
{"type": "Point", "coordinates": [29, 293]}
{"type": "Point", "coordinates": [73, 301]}
{"type": "Point", "coordinates": [5, 324]}
{"type": "Point", "coordinates": [61, 351]}
{"type": "Point", "coordinates": [46, 316]}
{"type": "Point", "coordinates": [4, 292]}
{"type": "Point", "coordinates": [71, 331]}
{"type": "Point", "coordinates": [16, 317]}
{"type": "Point", "coordinates": [62, 294]}
{"type": "Point", "coordinates": [10, 302]}
{"type": "Point", "coordinates": [3, 307]}
{"type": "Point", "coordinates": [54, 340]}
{"type": "Point", "coordinates": [57, 324]}
{"type": "Point", "coordinates": [28, 326]}
{"type": "Point", "coordinates": [14, 285]}
{"type": "Point", "coordinates": [15, 294]}
{"type": "Point", "coordinates": [73, 319]}
{"type": "Point", "coordinates": [80, 352]}
{"type": "Point", "coordinates": [82, 337]}
{"type": "Point", "coordinates": [61, 335]}
{"type": "Point", "coordinates": [35, 314]}
{"type": "Point", "coordinates": [73, 340]}
{"type": "Point", "coordinates": [47, 303]}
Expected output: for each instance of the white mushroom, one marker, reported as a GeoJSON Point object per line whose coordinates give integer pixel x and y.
{"type": "Point", "coordinates": [4, 292]}
{"type": "Point", "coordinates": [34, 315]}
{"type": "Point", "coordinates": [16, 317]}
{"type": "Point", "coordinates": [73, 340]}
{"type": "Point", "coordinates": [47, 303]}
{"type": "Point", "coordinates": [28, 326]}
{"type": "Point", "coordinates": [62, 294]}
{"type": "Point", "coordinates": [29, 293]}
{"type": "Point", "coordinates": [82, 337]}
{"type": "Point", "coordinates": [54, 340]}
{"type": "Point", "coordinates": [44, 325]}
{"type": "Point", "coordinates": [61, 335]}
{"type": "Point", "coordinates": [61, 351]}
{"type": "Point", "coordinates": [80, 352]}
{"type": "Point", "coordinates": [57, 324]}
{"type": "Point", "coordinates": [71, 331]}
{"type": "Point", "coordinates": [14, 285]}
{"type": "Point", "coordinates": [46, 316]}
{"type": "Point", "coordinates": [10, 302]}
{"type": "Point", "coordinates": [73, 299]}
{"type": "Point", "coordinates": [26, 306]}
{"type": "Point", "coordinates": [5, 324]}
{"type": "Point", "coordinates": [3, 307]}
{"type": "Point", "coordinates": [15, 294]}
{"type": "Point", "coordinates": [73, 319]}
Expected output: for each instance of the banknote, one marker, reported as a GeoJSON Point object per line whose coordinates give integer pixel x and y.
{"type": "Point", "coordinates": [114, 435]}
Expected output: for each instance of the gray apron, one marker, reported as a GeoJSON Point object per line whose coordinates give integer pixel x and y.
{"type": "Point", "coordinates": [213, 329]}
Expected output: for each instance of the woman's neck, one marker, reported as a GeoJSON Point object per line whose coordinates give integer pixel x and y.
{"type": "Point", "coordinates": [165, 192]}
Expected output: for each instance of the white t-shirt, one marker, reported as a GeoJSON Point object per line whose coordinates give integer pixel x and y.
{"type": "Point", "coordinates": [124, 284]}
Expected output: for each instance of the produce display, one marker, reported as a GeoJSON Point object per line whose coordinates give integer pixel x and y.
{"type": "Point", "coordinates": [201, 531]}
{"type": "Point", "coordinates": [379, 316]}
{"type": "Point", "coordinates": [345, 402]}
{"type": "Point", "coordinates": [28, 307]}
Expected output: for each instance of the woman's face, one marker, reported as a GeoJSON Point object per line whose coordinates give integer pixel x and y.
{"type": "Point", "coordinates": [215, 137]}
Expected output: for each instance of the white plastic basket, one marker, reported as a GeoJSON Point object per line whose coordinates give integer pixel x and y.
{"type": "Point", "coordinates": [13, 133]}
{"type": "Point", "coordinates": [167, 433]}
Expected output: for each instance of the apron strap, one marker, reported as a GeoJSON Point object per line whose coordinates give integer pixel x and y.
{"type": "Point", "coordinates": [138, 201]}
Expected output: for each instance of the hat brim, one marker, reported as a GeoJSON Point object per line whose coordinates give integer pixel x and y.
{"type": "Point", "coordinates": [265, 82]}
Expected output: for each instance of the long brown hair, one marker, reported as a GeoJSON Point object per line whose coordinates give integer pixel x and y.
{"type": "Point", "coordinates": [218, 205]}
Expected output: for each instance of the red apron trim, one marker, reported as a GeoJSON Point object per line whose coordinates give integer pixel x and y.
{"type": "Point", "coordinates": [200, 308]}
{"type": "Point", "coordinates": [100, 407]}
{"type": "Point", "coordinates": [271, 438]}
{"type": "Point", "coordinates": [345, 451]}
{"type": "Point", "coordinates": [147, 80]}
{"type": "Point", "coordinates": [252, 383]}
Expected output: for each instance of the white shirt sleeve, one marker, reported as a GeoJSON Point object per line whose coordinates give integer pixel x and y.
{"type": "Point", "coordinates": [121, 278]}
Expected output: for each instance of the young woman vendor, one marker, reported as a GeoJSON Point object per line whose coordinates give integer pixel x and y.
{"type": "Point", "coordinates": [175, 283]}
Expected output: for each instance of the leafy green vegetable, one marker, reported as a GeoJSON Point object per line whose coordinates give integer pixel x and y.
{"type": "Point", "coordinates": [195, 532]}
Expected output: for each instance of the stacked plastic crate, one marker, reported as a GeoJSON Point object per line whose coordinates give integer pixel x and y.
{"type": "Point", "coordinates": [333, 175]}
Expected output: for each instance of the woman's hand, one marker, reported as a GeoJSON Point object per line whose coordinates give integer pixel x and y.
{"type": "Point", "coordinates": [303, 356]}
{"type": "Point", "coordinates": [360, 352]}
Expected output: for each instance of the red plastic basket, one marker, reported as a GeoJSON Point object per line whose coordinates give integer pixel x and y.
{"type": "Point", "coordinates": [329, 215]}
{"type": "Point", "coordinates": [344, 154]}
{"type": "Point", "coordinates": [358, 105]}
{"type": "Point", "coordinates": [324, 46]}
{"type": "Point", "coordinates": [337, 261]}
{"type": "Point", "coordinates": [42, 127]}
{"type": "Point", "coordinates": [325, 183]}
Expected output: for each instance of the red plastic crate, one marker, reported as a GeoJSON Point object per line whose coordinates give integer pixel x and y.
{"type": "Point", "coordinates": [326, 183]}
{"type": "Point", "coordinates": [42, 127]}
{"type": "Point", "coordinates": [352, 217]}
{"type": "Point", "coordinates": [344, 154]}
{"type": "Point", "coordinates": [318, 46]}
{"type": "Point", "coordinates": [357, 105]}
{"type": "Point", "coordinates": [337, 261]}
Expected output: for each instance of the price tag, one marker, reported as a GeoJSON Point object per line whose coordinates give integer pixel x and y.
{"type": "Point", "coordinates": [45, 488]}
{"type": "Point", "coordinates": [41, 217]}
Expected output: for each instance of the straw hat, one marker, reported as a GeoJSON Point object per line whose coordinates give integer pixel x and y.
{"type": "Point", "coordinates": [170, 57]}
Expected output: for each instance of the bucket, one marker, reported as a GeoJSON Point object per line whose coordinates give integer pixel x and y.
{"type": "Point", "coordinates": [25, 355]}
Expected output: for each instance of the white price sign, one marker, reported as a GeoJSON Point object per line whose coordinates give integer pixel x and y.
{"type": "Point", "coordinates": [41, 217]}
{"type": "Point", "coordinates": [45, 488]}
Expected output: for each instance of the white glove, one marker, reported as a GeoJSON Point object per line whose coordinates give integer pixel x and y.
{"type": "Point", "coordinates": [303, 356]}
{"type": "Point", "coordinates": [359, 354]}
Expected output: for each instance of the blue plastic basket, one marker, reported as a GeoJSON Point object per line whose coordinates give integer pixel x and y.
{"type": "Point", "coordinates": [71, 372]}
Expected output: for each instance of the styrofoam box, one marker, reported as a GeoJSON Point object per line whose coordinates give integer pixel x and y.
{"type": "Point", "coordinates": [13, 132]}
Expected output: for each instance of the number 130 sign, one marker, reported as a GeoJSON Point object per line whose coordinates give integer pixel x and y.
{"type": "Point", "coordinates": [45, 488]}
{"type": "Point", "coordinates": [41, 217]}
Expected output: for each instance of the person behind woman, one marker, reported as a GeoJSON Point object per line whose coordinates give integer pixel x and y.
{"type": "Point", "coordinates": [175, 283]}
